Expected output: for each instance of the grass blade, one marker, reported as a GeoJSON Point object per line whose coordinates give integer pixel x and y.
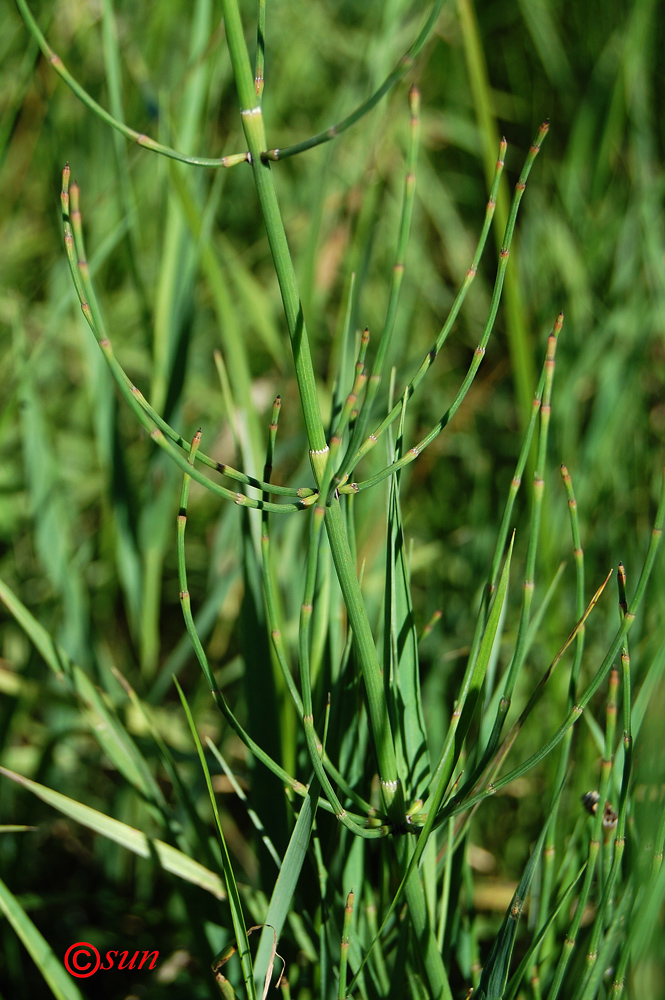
{"type": "Point", "coordinates": [237, 915]}
{"type": "Point", "coordinates": [170, 858]}
{"type": "Point", "coordinates": [60, 983]}
{"type": "Point", "coordinates": [104, 724]}
{"type": "Point", "coordinates": [495, 973]}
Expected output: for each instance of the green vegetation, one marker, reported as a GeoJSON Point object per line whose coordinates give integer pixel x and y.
{"type": "Point", "coordinates": [315, 669]}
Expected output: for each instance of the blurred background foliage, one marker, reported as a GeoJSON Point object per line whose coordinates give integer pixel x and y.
{"type": "Point", "coordinates": [182, 270]}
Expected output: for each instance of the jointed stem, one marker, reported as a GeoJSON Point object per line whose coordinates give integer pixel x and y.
{"type": "Point", "coordinates": [534, 533]}
{"type": "Point", "coordinates": [252, 119]}
{"type": "Point", "coordinates": [431, 355]}
{"type": "Point", "coordinates": [602, 672]}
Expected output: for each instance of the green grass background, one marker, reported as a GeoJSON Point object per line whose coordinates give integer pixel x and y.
{"type": "Point", "coordinates": [87, 509]}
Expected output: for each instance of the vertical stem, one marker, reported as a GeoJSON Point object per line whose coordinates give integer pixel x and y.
{"type": "Point", "coordinates": [369, 661]}
{"type": "Point", "coordinates": [259, 68]}
{"type": "Point", "coordinates": [594, 845]}
{"type": "Point", "coordinates": [534, 532]}
{"type": "Point", "coordinates": [360, 428]}
{"type": "Point", "coordinates": [549, 851]}
{"type": "Point", "coordinates": [252, 121]}
{"type": "Point", "coordinates": [344, 948]}
{"type": "Point", "coordinates": [518, 337]}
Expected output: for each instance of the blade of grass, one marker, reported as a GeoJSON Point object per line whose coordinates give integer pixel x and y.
{"type": "Point", "coordinates": [495, 973]}
{"type": "Point", "coordinates": [237, 915]}
{"type": "Point", "coordinates": [170, 858]}
{"type": "Point", "coordinates": [286, 883]}
{"type": "Point", "coordinates": [256, 821]}
{"type": "Point", "coordinates": [60, 982]}
{"type": "Point", "coordinates": [105, 726]}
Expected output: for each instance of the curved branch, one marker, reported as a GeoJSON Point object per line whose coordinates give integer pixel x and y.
{"type": "Point", "coordinates": [139, 137]}
{"type": "Point", "coordinates": [400, 70]}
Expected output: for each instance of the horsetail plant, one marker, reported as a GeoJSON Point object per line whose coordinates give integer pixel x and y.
{"type": "Point", "coordinates": [357, 689]}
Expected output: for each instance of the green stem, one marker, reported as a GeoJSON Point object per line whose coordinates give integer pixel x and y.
{"type": "Point", "coordinates": [158, 429]}
{"type": "Point", "coordinates": [549, 852]}
{"type": "Point", "coordinates": [344, 947]}
{"type": "Point", "coordinates": [218, 696]}
{"type": "Point", "coordinates": [602, 672]}
{"type": "Point", "coordinates": [259, 68]}
{"type": "Point", "coordinates": [369, 661]}
{"type": "Point", "coordinates": [606, 821]}
{"type": "Point", "coordinates": [252, 119]}
{"type": "Point", "coordinates": [521, 641]}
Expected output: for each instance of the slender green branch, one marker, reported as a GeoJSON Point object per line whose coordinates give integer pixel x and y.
{"type": "Point", "coordinates": [536, 514]}
{"type": "Point", "coordinates": [162, 434]}
{"type": "Point", "coordinates": [237, 915]}
{"type": "Point", "coordinates": [608, 822]}
{"type": "Point", "coordinates": [367, 655]}
{"type": "Point", "coordinates": [504, 527]}
{"type": "Point", "coordinates": [519, 653]}
{"type": "Point", "coordinates": [360, 428]}
{"type": "Point", "coordinates": [140, 138]}
{"type": "Point", "coordinates": [592, 854]}
{"type": "Point", "coordinates": [602, 672]}
{"type": "Point", "coordinates": [431, 355]}
{"type": "Point", "coordinates": [610, 818]}
{"type": "Point", "coordinates": [402, 68]}
{"type": "Point", "coordinates": [538, 691]}
{"type": "Point", "coordinates": [479, 353]}
{"type": "Point", "coordinates": [315, 747]}
{"type": "Point", "coordinates": [549, 852]}
{"type": "Point", "coordinates": [453, 808]}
